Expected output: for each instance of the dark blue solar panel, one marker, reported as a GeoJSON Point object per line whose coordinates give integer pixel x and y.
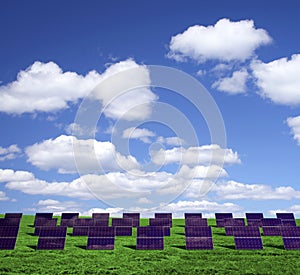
{"type": "Point", "coordinates": [220, 216]}
{"type": "Point", "coordinates": [101, 243]}
{"type": "Point", "coordinates": [291, 243]}
{"type": "Point", "coordinates": [68, 216]}
{"type": "Point", "coordinates": [285, 216]}
{"type": "Point", "coordinates": [271, 222]}
{"type": "Point", "coordinates": [123, 231]}
{"type": "Point", "coordinates": [271, 230]}
{"type": "Point", "coordinates": [163, 215]}
{"type": "Point", "coordinates": [67, 222]}
{"type": "Point", "coordinates": [198, 231]}
{"type": "Point", "coordinates": [154, 243]}
{"type": "Point", "coordinates": [10, 222]}
{"type": "Point", "coordinates": [9, 231]}
{"type": "Point", "coordinates": [135, 218]}
{"type": "Point", "coordinates": [199, 243]}
{"type": "Point", "coordinates": [80, 231]}
{"type": "Point", "coordinates": [290, 231]}
{"type": "Point", "coordinates": [53, 231]}
{"type": "Point", "coordinates": [122, 222]}
{"type": "Point", "coordinates": [196, 222]}
{"type": "Point", "coordinates": [100, 222]}
{"type": "Point", "coordinates": [229, 230]}
{"type": "Point", "coordinates": [51, 243]}
{"type": "Point", "coordinates": [234, 222]}
{"type": "Point", "coordinates": [104, 216]}
{"type": "Point", "coordinates": [254, 216]}
{"type": "Point", "coordinates": [246, 231]}
{"type": "Point", "coordinates": [44, 215]}
{"type": "Point", "coordinates": [45, 222]}
{"type": "Point", "coordinates": [288, 222]}
{"type": "Point", "coordinates": [248, 243]}
{"type": "Point", "coordinates": [13, 215]}
{"type": "Point", "coordinates": [193, 215]}
{"type": "Point", "coordinates": [101, 231]}
{"type": "Point", "coordinates": [83, 222]}
{"type": "Point", "coordinates": [159, 222]}
{"type": "Point", "coordinates": [150, 231]}
{"type": "Point", "coordinates": [167, 230]}
{"type": "Point", "coordinates": [7, 243]}
{"type": "Point", "coordinates": [254, 222]}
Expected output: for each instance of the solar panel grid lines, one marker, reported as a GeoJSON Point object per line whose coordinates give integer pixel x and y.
{"type": "Point", "coordinates": [254, 222]}
{"type": "Point", "coordinates": [10, 221]}
{"type": "Point", "coordinates": [196, 222]}
{"type": "Point", "coordinates": [291, 243]}
{"type": "Point", "coordinates": [234, 222]}
{"type": "Point", "coordinates": [80, 231]}
{"type": "Point", "coordinates": [8, 243]}
{"type": "Point", "coordinates": [198, 231]}
{"type": "Point", "coordinates": [192, 215]}
{"type": "Point", "coordinates": [9, 231]}
{"type": "Point", "coordinates": [271, 222]}
{"type": "Point", "coordinates": [104, 216]}
{"type": "Point", "coordinates": [220, 217]}
{"type": "Point", "coordinates": [53, 232]}
{"type": "Point", "coordinates": [167, 230]}
{"type": "Point", "coordinates": [100, 243]}
{"type": "Point", "coordinates": [289, 231]}
{"type": "Point", "coordinates": [135, 218]}
{"type": "Point", "coordinates": [288, 222]}
{"type": "Point", "coordinates": [164, 216]}
{"type": "Point", "coordinates": [248, 243]}
{"type": "Point", "coordinates": [285, 216]}
{"type": "Point", "coordinates": [123, 230]}
{"type": "Point", "coordinates": [159, 222]}
{"type": "Point", "coordinates": [13, 215]}
{"type": "Point", "coordinates": [101, 222]}
{"type": "Point", "coordinates": [150, 231]}
{"type": "Point", "coordinates": [254, 216]}
{"type": "Point", "coordinates": [229, 230]}
{"type": "Point", "coordinates": [45, 222]}
{"type": "Point", "coordinates": [83, 222]}
{"type": "Point", "coordinates": [51, 243]}
{"type": "Point", "coordinates": [67, 222]}
{"type": "Point", "coordinates": [101, 231]}
{"type": "Point", "coordinates": [199, 243]}
{"type": "Point", "coordinates": [149, 243]}
{"type": "Point", "coordinates": [246, 231]}
{"type": "Point", "coordinates": [122, 222]}
{"type": "Point", "coordinates": [271, 230]}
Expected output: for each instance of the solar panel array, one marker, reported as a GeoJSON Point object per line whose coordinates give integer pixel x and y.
{"type": "Point", "coordinates": [198, 238]}
{"type": "Point", "coordinates": [52, 238]}
{"type": "Point", "coordinates": [9, 229]}
{"type": "Point", "coordinates": [285, 216]}
{"type": "Point", "coordinates": [164, 216]}
{"type": "Point", "coordinates": [231, 223]}
{"type": "Point", "coordinates": [247, 238]}
{"type": "Point", "coordinates": [135, 218]}
{"type": "Point", "coordinates": [101, 238]}
{"type": "Point", "coordinates": [150, 238]}
{"type": "Point", "coordinates": [291, 237]}
{"type": "Point", "coordinates": [220, 218]}
{"type": "Point", "coordinates": [42, 216]}
{"type": "Point", "coordinates": [40, 223]}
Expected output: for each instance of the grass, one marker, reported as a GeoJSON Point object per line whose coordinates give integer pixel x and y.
{"type": "Point", "coordinates": [125, 259]}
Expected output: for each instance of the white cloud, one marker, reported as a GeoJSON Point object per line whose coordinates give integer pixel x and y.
{"type": "Point", "coordinates": [292, 209]}
{"type": "Point", "coordinates": [142, 134]}
{"type": "Point", "coordinates": [294, 124]}
{"type": "Point", "coordinates": [195, 155]}
{"type": "Point", "coordinates": [57, 207]}
{"type": "Point", "coordinates": [10, 152]}
{"type": "Point", "coordinates": [59, 154]}
{"type": "Point", "coordinates": [78, 130]}
{"type": "Point", "coordinates": [236, 84]}
{"type": "Point", "coordinates": [3, 196]}
{"type": "Point", "coordinates": [235, 190]}
{"type": "Point", "coordinates": [279, 80]}
{"type": "Point", "coordinates": [172, 141]}
{"type": "Point", "coordinates": [225, 41]}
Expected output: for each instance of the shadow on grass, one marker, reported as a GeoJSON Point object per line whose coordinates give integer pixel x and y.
{"type": "Point", "coordinates": [34, 247]}
{"type": "Point", "coordinates": [130, 246]}
{"type": "Point", "coordinates": [220, 234]}
{"type": "Point", "coordinates": [183, 247]}
{"type": "Point", "coordinates": [281, 247]}
{"type": "Point", "coordinates": [232, 247]}
{"type": "Point", "coordinates": [81, 246]}
{"type": "Point", "coordinates": [181, 234]}
{"type": "Point", "coordinates": [30, 225]}
{"type": "Point", "coordinates": [31, 234]}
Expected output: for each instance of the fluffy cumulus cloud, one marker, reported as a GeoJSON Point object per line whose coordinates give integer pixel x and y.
{"type": "Point", "coordinates": [292, 209]}
{"type": "Point", "coordinates": [235, 84]}
{"type": "Point", "coordinates": [205, 154]}
{"type": "Point", "coordinates": [57, 207]}
{"type": "Point", "coordinates": [142, 134]}
{"type": "Point", "coordinates": [225, 41]}
{"type": "Point", "coordinates": [10, 152]}
{"type": "Point", "coordinates": [91, 156]}
{"type": "Point", "coordinates": [294, 124]}
{"type": "Point", "coordinates": [279, 80]}
{"type": "Point", "coordinates": [236, 190]}
{"type": "Point", "coordinates": [45, 87]}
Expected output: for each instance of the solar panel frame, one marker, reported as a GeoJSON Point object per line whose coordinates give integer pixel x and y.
{"type": "Point", "coordinates": [291, 243]}
{"type": "Point", "coordinates": [221, 216]}
{"type": "Point", "coordinates": [199, 243]}
{"type": "Point", "coordinates": [44, 215]}
{"type": "Point", "coordinates": [101, 231]}
{"type": "Point", "coordinates": [8, 243]}
{"type": "Point", "coordinates": [150, 231]}
{"type": "Point", "coordinates": [100, 243]}
{"type": "Point", "coordinates": [290, 231]}
{"type": "Point", "coordinates": [9, 231]}
{"type": "Point", "coordinates": [13, 215]}
{"type": "Point", "coordinates": [153, 243]}
{"type": "Point", "coordinates": [198, 231]}
{"type": "Point", "coordinates": [285, 216]}
{"type": "Point", "coordinates": [196, 222]}
{"type": "Point", "coordinates": [288, 223]}
{"type": "Point", "coordinates": [51, 243]}
{"type": "Point", "coordinates": [244, 243]}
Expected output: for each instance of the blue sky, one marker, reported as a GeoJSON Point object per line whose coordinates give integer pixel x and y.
{"type": "Point", "coordinates": [53, 55]}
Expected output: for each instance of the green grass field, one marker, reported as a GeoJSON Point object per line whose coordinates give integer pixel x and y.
{"type": "Point", "coordinates": [125, 259]}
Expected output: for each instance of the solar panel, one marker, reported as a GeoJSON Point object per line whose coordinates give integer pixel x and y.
{"type": "Point", "coordinates": [44, 215]}
{"type": "Point", "coordinates": [45, 222]}
{"type": "Point", "coordinates": [101, 231]}
{"type": "Point", "coordinates": [285, 216]}
{"type": "Point", "coordinates": [68, 216]}
{"type": "Point", "coordinates": [198, 231]}
{"type": "Point", "coordinates": [80, 231]}
{"type": "Point", "coordinates": [288, 223]}
{"type": "Point", "coordinates": [220, 217]}
{"type": "Point", "coordinates": [193, 215]}
{"type": "Point", "coordinates": [291, 243]}
{"type": "Point", "coordinates": [254, 216]}
{"type": "Point", "coordinates": [234, 222]}
{"type": "Point", "coordinates": [196, 222]}
{"type": "Point", "coordinates": [271, 230]}
{"type": "Point", "coordinates": [7, 243]}
{"type": "Point", "coordinates": [150, 231]}
{"type": "Point", "coordinates": [135, 218]}
{"type": "Point", "coordinates": [51, 243]}
{"type": "Point", "coordinates": [53, 231]}
{"type": "Point", "coordinates": [246, 231]}
{"type": "Point", "coordinates": [9, 231]}
{"type": "Point", "coordinates": [271, 222]}
{"type": "Point", "coordinates": [153, 243]}
{"type": "Point", "coordinates": [198, 243]}
{"type": "Point", "coordinates": [163, 215]}
{"type": "Point", "coordinates": [289, 231]}
{"type": "Point", "coordinates": [254, 222]}
{"type": "Point", "coordinates": [100, 216]}
{"type": "Point", "coordinates": [248, 243]}
{"type": "Point", "coordinates": [159, 222]}
{"type": "Point", "coordinates": [83, 222]}
{"type": "Point", "coordinates": [123, 231]}
{"type": "Point", "coordinates": [122, 222]}
{"type": "Point", "coordinates": [101, 243]}
{"type": "Point", "coordinates": [13, 215]}
{"type": "Point", "coordinates": [67, 222]}
{"type": "Point", "coordinates": [100, 222]}
{"type": "Point", "coordinates": [10, 222]}
{"type": "Point", "coordinates": [229, 230]}
{"type": "Point", "coordinates": [167, 230]}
